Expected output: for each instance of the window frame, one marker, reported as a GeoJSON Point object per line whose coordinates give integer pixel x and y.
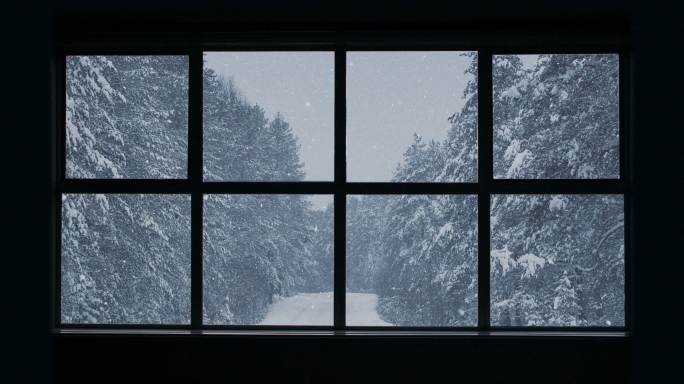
{"type": "Point", "coordinates": [486, 44]}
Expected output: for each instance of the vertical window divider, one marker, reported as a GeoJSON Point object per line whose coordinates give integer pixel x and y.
{"type": "Point", "coordinates": [195, 159]}
{"type": "Point", "coordinates": [58, 179]}
{"type": "Point", "coordinates": [340, 198]}
{"type": "Point", "coordinates": [625, 100]}
{"type": "Point", "coordinates": [484, 180]}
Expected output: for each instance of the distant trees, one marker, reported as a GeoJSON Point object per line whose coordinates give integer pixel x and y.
{"type": "Point", "coordinates": [129, 263]}
{"type": "Point", "coordinates": [556, 260]}
{"type": "Point", "coordinates": [240, 143]}
{"type": "Point", "coordinates": [258, 247]}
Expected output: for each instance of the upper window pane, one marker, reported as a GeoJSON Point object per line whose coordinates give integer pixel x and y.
{"type": "Point", "coordinates": [412, 116]}
{"type": "Point", "coordinates": [125, 259]}
{"type": "Point", "coordinates": [411, 260]}
{"type": "Point", "coordinates": [556, 117]}
{"type": "Point", "coordinates": [268, 259]}
{"type": "Point", "coordinates": [558, 260]}
{"type": "Point", "coordinates": [268, 116]}
{"type": "Point", "coordinates": [126, 117]}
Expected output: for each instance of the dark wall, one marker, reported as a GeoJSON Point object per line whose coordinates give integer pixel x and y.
{"type": "Point", "coordinates": [357, 360]}
{"type": "Point", "coordinates": [651, 354]}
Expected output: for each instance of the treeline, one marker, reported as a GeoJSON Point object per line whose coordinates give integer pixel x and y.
{"type": "Point", "coordinates": [556, 260]}
{"type": "Point", "coordinates": [125, 258]}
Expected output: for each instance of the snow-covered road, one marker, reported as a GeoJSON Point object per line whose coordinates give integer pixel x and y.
{"type": "Point", "coordinates": [361, 310]}
{"type": "Point", "coordinates": [317, 309]}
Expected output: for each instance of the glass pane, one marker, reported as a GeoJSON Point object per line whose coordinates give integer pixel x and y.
{"type": "Point", "coordinates": [412, 260]}
{"type": "Point", "coordinates": [557, 260]}
{"type": "Point", "coordinates": [125, 259]}
{"type": "Point", "coordinates": [126, 117]}
{"type": "Point", "coordinates": [412, 116]}
{"type": "Point", "coordinates": [268, 116]}
{"type": "Point", "coordinates": [556, 117]}
{"type": "Point", "coordinates": [268, 259]}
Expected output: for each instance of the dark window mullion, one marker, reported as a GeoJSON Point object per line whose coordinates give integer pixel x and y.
{"type": "Point", "coordinates": [340, 203]}
{"type": "Point", "coordinates": [484, 178]}
{"type": "Point", "coordinates": [195, 158]}
{"type": "Point", "coordinates": [626, 159]}
{"type": "Point", "coordinates": [58, 177]}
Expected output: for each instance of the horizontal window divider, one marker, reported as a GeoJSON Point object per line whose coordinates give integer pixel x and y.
{"type": "Point", "coordinates": [352, 188]}
{"type": "Point", "coordinates": [559, 329]}
{"type": "Point", "coordinates": [129, 50]}
{"type": "Point", "coordinates": [125, 186]}
{"type": "Point", "coordinates": [517, 40]}
{"type": "Point", "coordinates": [103, 326]}
{"type": "Point", "coordinates": [310, 333]}
{"type": "Point", "coordinates": [160, 49]}
{"type": "Point", "coordinates": [257, 327]}
{"type": "Point", "coordinates": [187, 186]}
{"type": "Point", "coordinates": [492, 187]}
{"type": "Point", "coordinates": [555, 186]}
{"type": "Point", "coordinates": [410, 188]}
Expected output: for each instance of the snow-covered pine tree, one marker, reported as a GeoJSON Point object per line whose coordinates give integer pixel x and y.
{"type": "Point", "coordinates": [508, 77]}
{"type": "Point", "coordinates": [547, 238]}
{"type": "Point", "coordinates": [460, 146]}
{"type": "Point", "coordinates": [425, 261]}
{"type": "Point", "coordinates": [257, 248]}
{"type": "Point", "coordinates": [126, 258]}
{"type": "Point", "coordinates": [567, 120]}
{"type": "Point", "coordinates": [126, 116]}
{"type": "Point", "coordinates": [421, 161]}
{"type": "Point", "coordinates": [535, 238]}
{"type": "Point", "coordinates": [365, 223]}
{"type": "Point", "coordinates": [322, 249]}
{"type": "Point", "coordinates": [566, 308]}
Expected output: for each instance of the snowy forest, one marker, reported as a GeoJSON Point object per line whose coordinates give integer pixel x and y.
{"type": "Point", "coordinates": [556, 260]}
{"type": "Point", "coordinates": [126, 257]}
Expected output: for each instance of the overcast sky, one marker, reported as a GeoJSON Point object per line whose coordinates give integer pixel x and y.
{"type": "Point", "coordinates": [391, 95]}
{"type": "Point", "coordinates": [298, 85]}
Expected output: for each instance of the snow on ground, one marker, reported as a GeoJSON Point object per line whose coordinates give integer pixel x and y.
{"type": "Point", "coordinates": [302, 309]}
{"type": "Point", "coordinates": [317, 309]}
{"type": "Point", "coordinates": [361, 310]}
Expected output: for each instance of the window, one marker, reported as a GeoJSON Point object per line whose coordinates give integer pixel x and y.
{"type": "Point", "coordinates": [348, 186]}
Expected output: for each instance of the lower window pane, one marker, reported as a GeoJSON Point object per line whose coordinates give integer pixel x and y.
{"type": "Point", "coordinates": [411, 260]}
{"type": "Point", "coordinates": [557, 260]}
{"type": "Point", "coordinates": [268, 259]}
{"type": "Point", "coordinates": [125, 259]}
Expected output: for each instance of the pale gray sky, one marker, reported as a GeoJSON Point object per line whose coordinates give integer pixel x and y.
{"type": "Point", "coordinates": [298, 85]}
{"type": "Point", "coordinates": [391, 95]}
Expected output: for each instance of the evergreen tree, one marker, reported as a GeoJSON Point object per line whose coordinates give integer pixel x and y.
{"type": "Point", "coordinates": [126, 258]}
{"type": "Point", "coordinates": [126, 116]}
{"type": "Point", "coordinates": [555, 259]}
{"type": "Point", "coordinates": [567, 120]}
{"type": "Point", "coordinates": [460, 156]}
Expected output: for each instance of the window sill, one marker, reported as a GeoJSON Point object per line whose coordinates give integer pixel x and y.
{"type": "Point", "coordinates": [347, 334]}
